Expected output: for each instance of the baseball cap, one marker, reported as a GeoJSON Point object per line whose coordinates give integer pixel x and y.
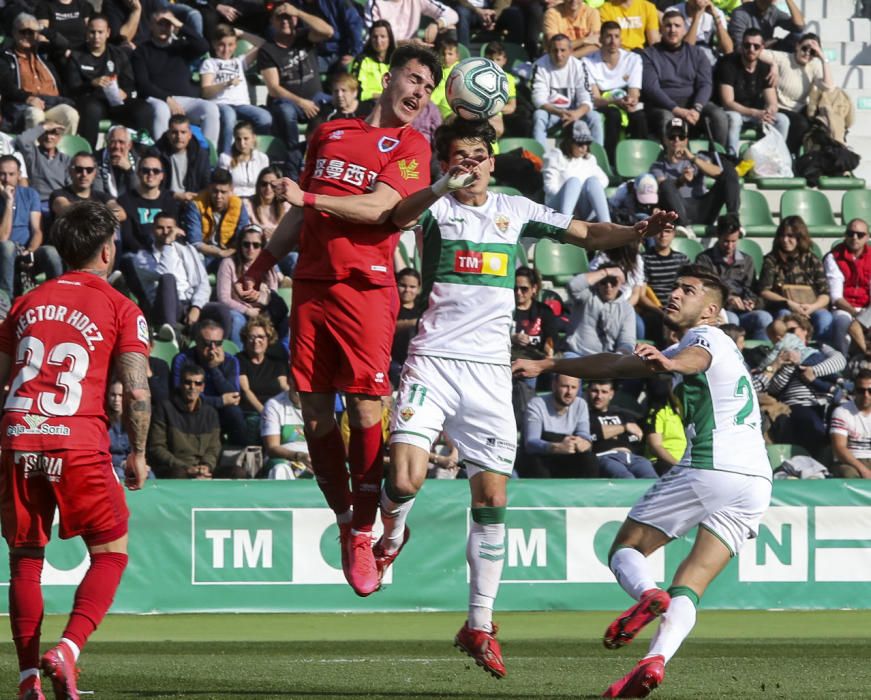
{"type": "Point", "coordinates": [646, 189]}
{"type": "Point", "coordinates": [676, 125]}
{"type": "Point", "coordinates": [581, 132]}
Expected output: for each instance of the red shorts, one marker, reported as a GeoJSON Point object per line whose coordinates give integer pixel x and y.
{"type": "Point", "coordinates": [341, 334]}
{"type": "Point", "coordinates": [82, 485]}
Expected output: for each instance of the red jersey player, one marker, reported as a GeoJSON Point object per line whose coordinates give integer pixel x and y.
{"type": "Point", "coordinates": [58, 347]}
{"type": "Point", "coordinates": [344, 294]}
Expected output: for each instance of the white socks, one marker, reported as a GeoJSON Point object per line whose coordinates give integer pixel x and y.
{"type": "Point", "coordinates": [73, 648]}
{"type": "Point", "coordinates": [393, 516]}
{"type": "Point", "coordinates": [632, 571]}
{"type": "Point", "coordinates": [674, 627]}
{"type": "Point", "coordinates": [485, 553]}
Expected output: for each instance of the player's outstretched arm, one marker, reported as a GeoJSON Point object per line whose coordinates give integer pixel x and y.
{"type": "Point", "coordinates": [595, 236]}
{"type": "Point", "coordinates": [606, 365]}
{"type": "Point", "coordinates": [132, 371]}
{"type": "Point", "coordinates": [284, 239]}
{"type": "Point", "coordinates": [691, 360]}
{"type": "Point", "coordinates": [374, 207]}
{"type": "Point", "coordinates": [458, 176]}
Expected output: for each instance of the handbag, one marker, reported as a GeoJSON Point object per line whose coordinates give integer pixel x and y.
{"type": "Point", "coordinates": [239, 463]}
{"type": "Point", "coordinates": [800, 293]}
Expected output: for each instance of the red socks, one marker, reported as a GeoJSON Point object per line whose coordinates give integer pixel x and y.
{"type": "Point", "coordinates": [94, 595]}
{"type": "Point", "coordinates": [25, 608]}
{"type": "Point", "coordinates": [366, 458]}
{"type": "Point", "coordinates": [328, 462]}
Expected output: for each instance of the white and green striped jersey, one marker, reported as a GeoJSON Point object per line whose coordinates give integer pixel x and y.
{"type": "Point", "coordinates": [720, 408]}
{"type": "Point", "coordinates": [469, 256]}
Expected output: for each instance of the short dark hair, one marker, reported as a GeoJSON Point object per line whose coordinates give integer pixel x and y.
{"type": "Point", "coordinates": [179, 119]}
{"type": "Point", "coordinates": [221, 176]}
{"type": "Point", "coordinates": [728, 224]}
{"type": "Point", "coordinates": [80, 232]}
{"type": "Point", "coordinates": [608, 26]}
{"type": "Point", "coordinates": [83, 154]}
{"type": "Point", "coordinates": [530, 273]}
{"type": "Point", "coordinates": [163, 214]}
{"type": "Point", "coordinates": [208, 324]}
{"type": "Point", "coordinates": [101, 17]}
{"type": "Point", "coordinates": [601, 382]}
{"type": "Point", "coordinates": [668, 14]}
{"type": "Point", "coordinates": [863, 374]}
{"type": "Point", "coordinates": [494, 48]}
{"type": "Point", "coordinates": [753, 31]}
{"type": "Point", "coordinates": [446, 40]}
{"type": "Point", "coordinates": [463, 130]}
{"type": "Point", "coordinates": [222, 31]}
{"type": "Point", "coordinates": [410, 52]}
{"type": "Point", "coordinates": [191, 369]}
{"type": "Point", "coordinates": [9, 158]}
{"type": "Point", "coordinates": [709, 279]}
{"type": "Point", "coordinates": [408, 272]}
{"type": "Point", "coordinates": [558, 37]}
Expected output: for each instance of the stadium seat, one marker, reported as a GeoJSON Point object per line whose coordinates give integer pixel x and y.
{"type": "Point", "coordinates": [751, 248]}
{"type": "Point", "coordinates": [602, 159]}
{"type": "Point", "coordinates": [689, 247]}
{"type": "Point", "coordinates": [70, 144]}
{"type": "Point", "coordinates": [779, 453]}
{"type": "Point", "coordinates": [559, 262]}
{"type": "Point", "coordinates": [166, 350]}
{"type": "Point", "coordinates": [779, 183]}
{"type": "Point", "coordinates": [750, 343]}
{"type": "Point", "coordinates": [272, 147]}
{"type": "Point", "coordinates": [755, 215]}
{"type": "Point", "coordinates": [704, 145]}
{"type": "Point", "coordinates": [634, 157]}
{"type": "Point", "coordinates": [856, 204]}
{"type": "Point", "coordinates": [511, 143]}
{"type": "Point", "coordinates": [814, 208]}
{"type": "Point", "coordinates": [505, 189]}
{"type": "Point", "coordinates": [286, 293]}
{"type": "Point", "coordinates": [844, 182]}
{"type": "Point", "coordinates": [816, 250]}
{"type": "Point", "coordinates": [213, 155]}
{"type": "Point", "coordinates": [243, 46]}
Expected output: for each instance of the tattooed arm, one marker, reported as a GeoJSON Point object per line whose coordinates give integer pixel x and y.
{"type": "Point", "coordinates": [132, 371]}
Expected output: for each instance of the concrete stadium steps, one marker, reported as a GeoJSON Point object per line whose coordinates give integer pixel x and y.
{"type": "Point", "coordinates": [839, 29]}
{"type": "Point", "coordinates": [830, 9]}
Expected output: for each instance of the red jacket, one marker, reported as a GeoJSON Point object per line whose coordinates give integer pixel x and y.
{"type": "Point", "coordinates": [857, 275]}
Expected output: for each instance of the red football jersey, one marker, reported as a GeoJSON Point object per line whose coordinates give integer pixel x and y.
{"type": "Point", "coordinates": [347, 157]}
{"type": "Point", "coordinates": [63, 337]}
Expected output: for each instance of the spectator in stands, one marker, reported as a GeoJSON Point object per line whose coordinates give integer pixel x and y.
{"type": "Point", "coordinates": [576, 20]}
{"type": "Point", "coordinates": [481, 14]}
{"type": "Point", "coordinates": [141, 205]}
{"type": "Point", "coordinates": [661, 265]}
{"type": "Point", "coordinates": [116, 163]}
{"type": "Point", "coordinates": [665, 438]}
{"type": "Point", "coordinates": [535, 325]}
{"type": "Point", "coordinates": [244, 161]}
{"type": "Point", "coordinates": [615, 84]}
{"type": "Point", "coordinates": [706, 24]}
{"type": "Point", "coordinates": [186, 162]}
{"type": "Point", "coordinates": [231, 269]}
{"type": "Point", "coordinates": [221, 390]}
{"type": "Point", "coordinates": [223, 81]}
{"type": "Point", "coordinates": [7, 148]}
{"type": "Point", "coordinates": [848, 272]}
{"type": "Point", "coordinates": [747, 91]}
{"type": "Point", "coordinates": [371, 65]}
{"type": "Point", "coordinates": [119, 442]}
{"type": "Point", "coordinates": [21, 234]}
{"type": "Point", "coordinates": [851, 432]}
{"type": "Point", "coordinates": [792, 278]}
{"type": "Point", "coordinates": [559, 92]}
{"type": "Point", "coordinates": [345, 103]}
{"type": "Point", "coordinates": [289, 66]}
{"type": "Point", "coordinates": [264, 208]}
{"type": "Point", "coordinates": [765, 16]}
{"type": "Point", "coordinates": [616, 436]}
{"type": "Point", "coordinates": [677, 83]}
{"type": "Point", "coordinates": [83, 172]}
{"type": "Point", "coordinates": [681, 175]}
{"type": "Point", "coordinates": [336, 53]}
{"type": "Point", "coordinates": [281, 427]}
{"type": "Point", "coordinates": [30, 82]}
{"type": "Point", "coordinates": [129, 19]}
{"type": "Point", "coordinates": [634, 200]}
{"type": "Point", "coordinates": [631, 264]}
{"type": "Point", "coordinates": [574, 184]}
{"type": "Point", "coordinates": [738, 273]}
{"type": "Point", "coordinates": [797, 73]}
{"type": "Point", "coordinates": [185, 437]}
{"type": "Point", "coordinates": [638, 19]}
{"type": "Point", "coordinates": [66, 20]}
{"type": "Point", "coordinates": [261, 375]}
{"type": "Point", "coordinates": [448, 50]}
{"type": "Point", "coordinates": [601, 321]}
{"type": "Point", "coordinates": [47, 167]}
{"type": "Point", "coordinates": [405, 15]}
{"type": "Point", "coordinates": [556, 434]}
{"type": "Point", "coordinates": [496, 52]}
{"type": "Point", "coordinates": [408, 286]}
{"type": "Point", "coordinates": [163, 76]}
{"type": "Point", "coordinates": [213, 219]}
{"type": "Point", "coordinates": [101, 79]}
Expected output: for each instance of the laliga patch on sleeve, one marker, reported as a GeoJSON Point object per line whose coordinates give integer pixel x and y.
{"type": "Point", "coordinates": [699, 341]}
{"type": "Point", "coordinates": [142, 330]}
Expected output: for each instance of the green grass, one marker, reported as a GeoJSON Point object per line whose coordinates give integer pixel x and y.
{"type": "Point", "coordinates": [548, 655]}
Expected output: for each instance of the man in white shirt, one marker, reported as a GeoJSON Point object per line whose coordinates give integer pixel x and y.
{"type": "Point", "coordinates": [281, 427]}
{"type": "Point", "coordinates": [559, 92]}
{"type": "Point", "coordinates": [851, 432]}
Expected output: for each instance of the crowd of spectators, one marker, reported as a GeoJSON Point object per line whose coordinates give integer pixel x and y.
{"type": "Point", "coordinates": [208, 105]}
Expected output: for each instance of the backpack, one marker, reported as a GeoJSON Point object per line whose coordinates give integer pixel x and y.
{"type": "Point", "coordinates": [824, 155]}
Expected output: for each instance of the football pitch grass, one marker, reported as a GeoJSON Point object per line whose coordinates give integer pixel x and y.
{"type": "Point", "coordinates": [410, 655]}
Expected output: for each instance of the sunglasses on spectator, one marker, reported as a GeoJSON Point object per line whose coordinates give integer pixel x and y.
{"type": "Point", "coordinates": [856, 234]}
{"type": "Point", "coordinates": [80, 169]}
{"type": "Point", "coordinates": [150, 171]}
{"type": "Point", "coordinates": [805, 49]}
{"type": "Point", "coordinates": [210, 343]}
{"type": "Point", "coordinates": [521, 288]}
{"type": "Point", "coordinates": [862, 390]}
{"type": "Point", "coordinates": [194, 382]}
{"type": "Point", "coordinates": [675, 137]}
{"type": "Point", "coordinates": [751, 45]}
{"type": "Point", "coordinates": [252, 244]}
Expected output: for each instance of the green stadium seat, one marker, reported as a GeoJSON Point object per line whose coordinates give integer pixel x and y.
{"type": "Point", "coordinates": [166, 350]}
{"type": "Point", "coordinates": [816, 250]}
{"type": "Point", "coordinates": [602, 159]}
{"type": "Point", "coordinates": [509, 144]}
{"type": "Point", "coordinates": [243, 46]}
{"type": "Point", "coordinates": [559, 262]}
{"type": "Point", "coordinates": [779, 183]}
{"type": "Point", "coordinates": [634, 157]}
{"type": "Point", "coordinates": [751, 248]}
{"type": "Point", "coordinates": [856, 204]}
{"type": "Point", "coordinates": [755, 215]}
{"type": "Point", "coordinates": [812, 206]}
{"type": "Point", "coordinates": [844, 182]}
{"type": "Point", "coordinates": [689, 247]}
{"type": "Point", "coordinates": [778, 454]}
{"type": "Point", "coordinates": [70, 144]}
{"type": "Point", "coordinates": [697, 145]}
{"type": "Point", "coordinates": [272, 147]}
{"type": "Point", "coordinates": [213, 155]}
{"type": "Point", "coordinates": [505, 189]}
{"type": "Point", "coordinates": [286, 293]}
{"type": "Point", "coordinates": [463, 51]}
{"type": "Point", "coordinates": [750, 343]}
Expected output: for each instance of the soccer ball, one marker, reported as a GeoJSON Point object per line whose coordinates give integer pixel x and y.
{"type": "Point", "coordinates": [476, 89]}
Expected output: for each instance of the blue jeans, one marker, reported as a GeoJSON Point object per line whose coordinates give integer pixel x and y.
{"type": "Point", "coordinates": [754, 322]}
{"type": "Point", "coordinates": [286, 117]}
{"type": "Point", "coordinates": [737, 122]}
{"type": "Point", "coordinates": [238, 321]}
{"type": "Point", "coordinates": [45, 260]}
{"type": "Point", "coordinates": [841, 321]}
{"type": "Point", "coordinates": [625, 465]}
{"type": "Point", "coordinates": [821, 320]}
{"type": "Point", "coordinates": [542, 121]}
{"type": "Point", "coordinates": [230, 114]}
{"type": "Point", "coordinates": [586, 201]}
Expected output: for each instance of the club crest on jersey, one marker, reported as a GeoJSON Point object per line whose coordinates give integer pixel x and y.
{"type": "Point", "coordinates": [408, 169]}
{"type": "Point", "coordinates": [336, 135]}
{"type": "Point", "coordinates": [387, 144]}
{"type": "Point", "coordinates": [502, 222]}
{"type": "Point", "coordinates": [406, 413]}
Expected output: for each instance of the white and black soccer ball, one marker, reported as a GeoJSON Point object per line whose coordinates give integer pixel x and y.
{"type": "Point", "coordinates": [477, 89]}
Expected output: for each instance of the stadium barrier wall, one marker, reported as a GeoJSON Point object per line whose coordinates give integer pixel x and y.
{"type": "Point", "coordinates": [272, 546]}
